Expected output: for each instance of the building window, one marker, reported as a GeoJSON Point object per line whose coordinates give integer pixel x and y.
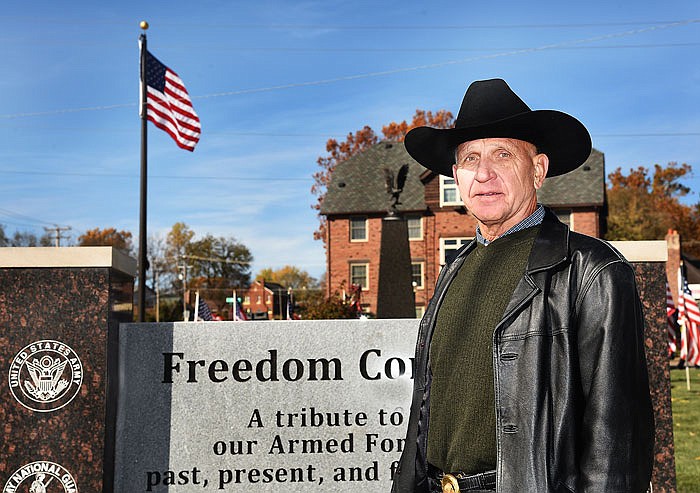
{"type": "Point", "coordinates": [449, 247]}
{"type": "Point", "coordinates": [420, 311]}
{"type": "Point", "coordinates": [358, 229]}
{"type": "Point", "coordinates": [449, 195]}
{"type": "Point", "coordinates": [415, 227]}
{"type": "Point", "coordinates": [417, 274]}
{"type": "Point", "coordinates": [359, 275]}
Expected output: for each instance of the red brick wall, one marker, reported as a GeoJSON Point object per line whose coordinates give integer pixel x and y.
{"type": "Point", "coordinates": [432, 191]}
{"type": "Point", "coordinates": [343, 252]}
{"type": "Point", "coordinates": [257, 289]}
{"type": "Point", "coordinates": [586, 222]}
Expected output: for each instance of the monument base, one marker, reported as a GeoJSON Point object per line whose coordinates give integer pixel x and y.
{"type": "Point", "coordinates": [60, 310]}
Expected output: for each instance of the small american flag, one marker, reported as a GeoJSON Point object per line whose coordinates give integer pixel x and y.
{"type": "Point", "coordinates": [689, 318]}
{"type": "Point", "coordinates": [169, 106]}
{"type": "Point", "coordinates": [204, 311]}
{"type": "Point", "coordinates": [239, 314]}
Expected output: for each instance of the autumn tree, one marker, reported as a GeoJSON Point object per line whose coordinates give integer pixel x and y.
{"type": "Point", "coordinates": [177, 240]}
{"type": "Point", "coordinates": [333, 307]}
{"type": "Point", "coordinates": [107, 237]}
{"type": "Point", "coordinates": [397, 131]}
{"type": "Point", "coordinates": [644, 206]}
{"type": "Point", "coordinates": [206, 259]}
{"type": "Point", "coordinates": [337, 152]}
{"type": "Point", "coordinates": [305, 288]}
{"type": "Point", "coordinates": [217, 266]}
{"type": "Point", "coordinates": [220, 260]}
{"type": "Point", "coordinates": [288, 276]}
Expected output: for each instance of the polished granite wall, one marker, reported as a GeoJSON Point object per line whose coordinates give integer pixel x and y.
{"type": "Point", "coordinates": [651, 282]}
{"type": "Point", "coordinates": [58, 340]}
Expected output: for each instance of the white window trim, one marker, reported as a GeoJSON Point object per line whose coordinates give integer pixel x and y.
{"type": "Point", "coordinates": [422, 274]}
{"type": "Point", "coordinates": [461, 241]}
{"type": "Point", "coordinates": [350, 276]}
{"type": "Point", "coordinates": [359, 240]}
{"type": "Point", "coordinates": [443, 203]}
{"type": "Point", "coordinates": [420, 222]}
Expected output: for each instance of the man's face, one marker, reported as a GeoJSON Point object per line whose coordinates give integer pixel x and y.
{"type": "Point", "coordinates": [498, 179]}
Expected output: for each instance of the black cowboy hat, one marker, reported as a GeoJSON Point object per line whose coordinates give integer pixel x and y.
{"type": "Point", "coordinates": [491, 109]}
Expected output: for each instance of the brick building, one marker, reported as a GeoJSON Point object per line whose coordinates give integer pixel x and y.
{"type": "Point", "coordinates": [265, 300]}
{"type": "Point", "coordinates": [438, 222]}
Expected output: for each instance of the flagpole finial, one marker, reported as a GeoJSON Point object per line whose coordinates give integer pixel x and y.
{"type": "Point", "coordinates": [143, 25]}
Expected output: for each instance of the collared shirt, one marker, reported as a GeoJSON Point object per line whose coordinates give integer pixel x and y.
{"type": "Point", "coordinates": [533, 219]}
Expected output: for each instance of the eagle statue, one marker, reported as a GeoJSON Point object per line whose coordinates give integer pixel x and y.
{"type": "Point", "coordinates": [395, 184]}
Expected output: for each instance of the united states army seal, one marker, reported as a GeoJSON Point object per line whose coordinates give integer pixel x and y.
{"type": "Point", "coordinates": [41, 477]}
{"type": "Point", "coordinates": [45, 375]}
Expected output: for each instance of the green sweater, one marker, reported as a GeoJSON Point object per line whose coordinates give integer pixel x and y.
{"type": "Point", "coordinates": [462, 429]}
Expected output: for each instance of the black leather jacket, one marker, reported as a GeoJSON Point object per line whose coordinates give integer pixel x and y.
{"type": "Point", "coordinates": [573, 410]}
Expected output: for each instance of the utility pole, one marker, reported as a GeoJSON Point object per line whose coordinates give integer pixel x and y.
{"type": "Point", "coordinates": [183, 277]}
{"type": "Point", "coordinates": [57, 233]}
{"type": "Point", "coordinates": [155, 283]}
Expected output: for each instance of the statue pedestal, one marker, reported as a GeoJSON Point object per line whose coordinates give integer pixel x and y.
{"type": "Point", "coordinates": [395, 298]}
{"type": "Point", "coordinates": [60, 310]}
{"type": "Point", "coordinates": [649, 261]}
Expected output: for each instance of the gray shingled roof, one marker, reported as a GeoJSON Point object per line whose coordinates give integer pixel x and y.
{"type": "Point", "coordinates": [358, 185]}
{"type": "Point", "coordinates": [583, 186]}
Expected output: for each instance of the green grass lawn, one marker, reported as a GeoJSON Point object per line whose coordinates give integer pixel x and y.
{"type": "Point", "coordinates": [686, 429]}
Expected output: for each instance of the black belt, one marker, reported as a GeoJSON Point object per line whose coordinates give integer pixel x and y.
{"type": "Point", "coordinates": [456, 482]}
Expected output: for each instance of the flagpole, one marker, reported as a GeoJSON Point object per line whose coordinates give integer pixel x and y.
{"type": "Point", "coordinates": [196, 306]}
{"type": "Point", "coordinates": [684, 325]}
{"type": "Point", "coordinates": [144, 175]}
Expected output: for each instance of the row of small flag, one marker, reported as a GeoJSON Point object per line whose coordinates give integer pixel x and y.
{"type": "Point", "coordinates": [203, 312]}
{"type": "Point", "coordinates": [683, 324]}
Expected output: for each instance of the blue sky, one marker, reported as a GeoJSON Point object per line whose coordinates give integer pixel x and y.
{"type": "Point", "coordinates": [273, 80]}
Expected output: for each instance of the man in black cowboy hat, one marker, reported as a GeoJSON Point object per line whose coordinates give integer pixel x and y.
{"type": "Point", "coordinates": [530, 369]}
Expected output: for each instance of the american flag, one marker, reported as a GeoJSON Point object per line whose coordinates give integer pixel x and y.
{"type": "Point", "coordinates": [671, 323]}
{"type": "Point", "coordinates": [169, 106]}
{"type": "Point", "coordinates": [240, 314]}
{"type": "Point", "coordinates": [204, 311]}
{"type": "Point", "coordinates": [689, 319]}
